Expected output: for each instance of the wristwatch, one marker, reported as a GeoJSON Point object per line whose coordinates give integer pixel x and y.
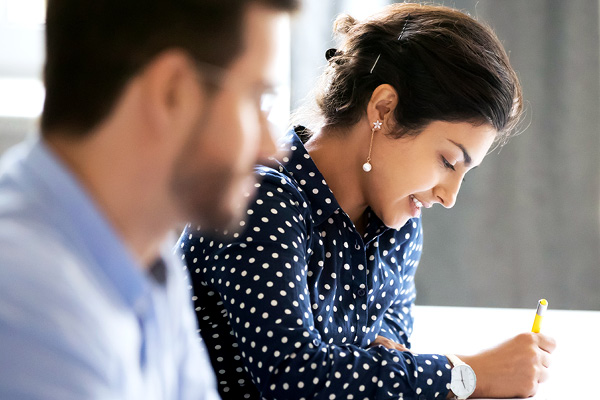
{"type": "Point", "coordinates": [463, 379]}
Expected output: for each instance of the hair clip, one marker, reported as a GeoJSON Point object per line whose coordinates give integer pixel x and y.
{"type": "Point", "coordinates": [375, 63]}
{"type": "Point", "coordinates": [399, 38]}
{"type": "Point", "coordinates": [404, 27]}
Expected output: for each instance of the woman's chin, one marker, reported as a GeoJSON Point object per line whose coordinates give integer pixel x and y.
{"type": "Point", "coordinates": [395, 221]}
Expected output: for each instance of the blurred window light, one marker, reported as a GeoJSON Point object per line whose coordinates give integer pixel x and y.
{"type": "Point", "coordinates": [23, 12]}
{"type": "Point", "coordinates": [361, 9]}
{"type": "Point", "coordinates": [21, 26]}
{"type": "Point", "coordinates": [21, 97]}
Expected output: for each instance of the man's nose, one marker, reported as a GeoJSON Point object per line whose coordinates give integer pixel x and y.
{"type": "Point", "coordinates": [268, 134]}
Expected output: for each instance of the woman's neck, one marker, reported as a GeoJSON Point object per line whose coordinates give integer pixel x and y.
{"type": "Point", "coordinates": [339, 156]}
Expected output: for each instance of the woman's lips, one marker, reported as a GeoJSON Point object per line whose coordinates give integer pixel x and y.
{"type": "Point", "coordinates": [415, 206]}
{"type": "Point", "coordinates": [416, 201]}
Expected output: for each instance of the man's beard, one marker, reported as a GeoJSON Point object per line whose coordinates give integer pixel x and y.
{"type": "Point", "coordinates": [211, 198]}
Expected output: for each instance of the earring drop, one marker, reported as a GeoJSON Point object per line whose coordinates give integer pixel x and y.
{"type": "Point", "coordinates": [367, 166]}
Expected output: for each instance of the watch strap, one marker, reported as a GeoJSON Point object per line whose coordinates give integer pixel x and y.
{"type": "Point", "coordinates": [454, 360]}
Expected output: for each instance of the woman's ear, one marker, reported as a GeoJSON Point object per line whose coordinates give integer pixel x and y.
{"type": "Point", "coordinates": [382, 104]}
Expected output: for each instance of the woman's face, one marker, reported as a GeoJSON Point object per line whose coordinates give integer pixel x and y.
{"type": "Point", "coordinates": [417, 172]}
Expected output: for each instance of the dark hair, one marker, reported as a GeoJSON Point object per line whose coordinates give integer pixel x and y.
{"type": "Point", "coordinates": [93, 48]}
{"type": "Point", "coordinates": [444, 65]}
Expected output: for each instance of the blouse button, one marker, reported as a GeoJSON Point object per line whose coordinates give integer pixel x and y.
{"type": "Point", "coordinates": [361, 292]}
{"type": "Point", "coordinates": [316, 342]}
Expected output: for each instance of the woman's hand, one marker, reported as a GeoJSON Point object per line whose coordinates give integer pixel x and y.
{"type": "Point", "coordinates": [514, 368]}
{"type": "Point", "coordinates": [388, 343]}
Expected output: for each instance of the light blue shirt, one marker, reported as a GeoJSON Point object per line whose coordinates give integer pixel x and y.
{"type": "Point", "coordinates": [79, 317]}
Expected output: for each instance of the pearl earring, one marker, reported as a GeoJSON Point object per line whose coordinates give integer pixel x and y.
{"type": "Point", "coordinates": [367, 166]}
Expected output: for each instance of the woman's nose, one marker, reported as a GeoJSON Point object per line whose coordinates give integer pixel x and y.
{"type": "Point", "coordinates": [446, 192]}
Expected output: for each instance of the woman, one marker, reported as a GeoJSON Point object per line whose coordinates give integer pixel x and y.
{"type": "Point", "coordinates": [314, 298]}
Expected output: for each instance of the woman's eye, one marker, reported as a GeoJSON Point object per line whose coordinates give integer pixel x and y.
{"type": "Point", "coordinates": [447, 164]}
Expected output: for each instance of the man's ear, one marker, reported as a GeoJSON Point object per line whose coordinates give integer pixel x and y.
{"type": "Point", "coordinates": [382, 104]}
{"type": "Point", "coordinates": [171, 95]}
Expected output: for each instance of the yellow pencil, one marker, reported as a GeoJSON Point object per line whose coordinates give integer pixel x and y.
{"type": "Point", "coordinates": [539, 314]}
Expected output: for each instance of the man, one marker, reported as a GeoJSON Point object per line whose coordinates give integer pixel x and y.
{"type": "Point", "coordinates": [152, 118]}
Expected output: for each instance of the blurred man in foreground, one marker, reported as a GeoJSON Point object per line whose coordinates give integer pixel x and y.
{"type": "Point", "coordinates": [152, 118]}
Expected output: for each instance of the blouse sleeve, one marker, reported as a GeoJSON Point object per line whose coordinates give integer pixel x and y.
{"type": "Point", "coordinates": [394, 325]}
{"type": "Point", "coordinates": [398, 320]}
{"type": "Point", "coordinates": [261, 277]}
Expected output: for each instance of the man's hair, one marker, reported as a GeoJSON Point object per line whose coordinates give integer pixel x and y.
{"type": "Point", "coordinates": [93, 48]}
{"type": "Point", "coordinates": [444, 65]}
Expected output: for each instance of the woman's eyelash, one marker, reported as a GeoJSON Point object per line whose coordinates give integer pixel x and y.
{"type": "Point", "coordinates": [447, 164]}
{"type": "Point", "coordinates": [450, 166]}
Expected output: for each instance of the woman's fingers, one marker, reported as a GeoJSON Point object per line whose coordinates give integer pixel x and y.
{"type": "Point", "coordinates": [388, 343]}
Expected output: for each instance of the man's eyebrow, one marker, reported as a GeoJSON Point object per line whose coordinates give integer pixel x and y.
{"type": "Point", "coordinates": [466, 155]}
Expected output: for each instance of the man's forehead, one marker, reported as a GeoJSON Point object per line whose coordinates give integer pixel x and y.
{"type": "Point", "coordinates": [264, 48]}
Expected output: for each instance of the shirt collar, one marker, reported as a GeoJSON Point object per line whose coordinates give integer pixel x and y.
{"type": "Point", "coordinates": [303, 169]}
{"type": "Point", "coordinates": [374, 228]}
{"type": "Point", "coordinates": [83, 224]}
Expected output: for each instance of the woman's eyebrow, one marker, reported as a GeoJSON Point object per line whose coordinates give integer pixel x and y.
{"type": "Point", "coordinates": [466, 155]}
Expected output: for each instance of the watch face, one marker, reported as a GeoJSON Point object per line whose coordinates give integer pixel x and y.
{"type": "Point", "coordinates": [463, 381]}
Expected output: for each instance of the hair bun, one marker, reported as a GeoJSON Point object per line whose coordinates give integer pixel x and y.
{"type": "Point", "coordinates": [343, 23]}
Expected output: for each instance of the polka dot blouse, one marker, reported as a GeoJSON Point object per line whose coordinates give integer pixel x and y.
{"type": "Point", "coordinates": [289, 307]}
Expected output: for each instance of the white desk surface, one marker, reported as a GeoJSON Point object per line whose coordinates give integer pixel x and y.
{"type": "Point", "coordinates": [468, 330]}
